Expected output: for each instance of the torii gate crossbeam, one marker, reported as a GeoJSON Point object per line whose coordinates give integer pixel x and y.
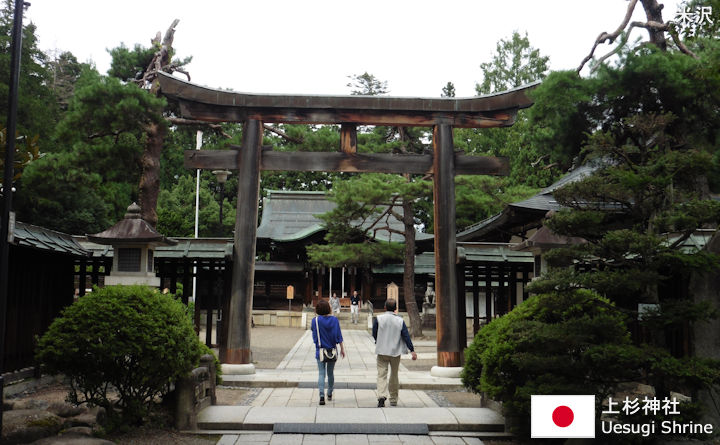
{"type": "Point", "coordinates": [442, 114]}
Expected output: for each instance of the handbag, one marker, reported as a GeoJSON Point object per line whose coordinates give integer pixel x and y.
{"type": "Point", "coordinates": [325, 354]}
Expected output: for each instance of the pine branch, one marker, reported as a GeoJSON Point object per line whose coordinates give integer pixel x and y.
{"type": "Point", "coordinates": [282, 134]}
{"type": "Point", "coordinates": [604, 36]}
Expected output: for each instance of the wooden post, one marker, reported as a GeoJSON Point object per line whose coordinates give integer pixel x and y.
{"type": "Point", "coordinates": [449, 348]}
{"type": "Point", "coordinates": [512, 282]}
{"type": "Point", "coordinates": [173, 275]}
{"type": "Point", "coordinates": [309, 286]}
{"type": "Point", "coordinates": [237, 350]}
{"type": "Point", "coordinates": [321, 281]}
{"type": "Point", "coordinates": [352, 275]}
{"type": "Point", "coordinates": [348, 138]}
{"type": "Point", "coordinates": [462, 312]}
{"type": "Point", "coordinates": [488, 294]}
{"type": "Point", "coordinates": [94, 278]}
{"type": "Point", "coordinates": [187, 280]}
{"type": "Point", "coordinates": [82, 278]}
{"type": "Point", "coordinates": [476, 300]}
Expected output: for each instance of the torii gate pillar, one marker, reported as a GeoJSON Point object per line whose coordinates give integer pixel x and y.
{"type": "Point", "coordinates": [449, 342]}
{"type": "Point", "coordinates": [236, 349]}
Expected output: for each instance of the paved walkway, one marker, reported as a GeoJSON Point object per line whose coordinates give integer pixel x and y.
{"type": "Point", "coordinates": [356, 370]}
{"type": "Point", "coordinates": [286, 411]}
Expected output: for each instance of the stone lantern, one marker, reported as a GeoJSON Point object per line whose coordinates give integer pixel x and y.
{"type": "Point", "coordinates": [134, 242]}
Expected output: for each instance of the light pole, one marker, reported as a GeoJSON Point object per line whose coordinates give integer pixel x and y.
{"type": "Point", "coordinates": [221, 176]}
{"type": "Point", "coordinates": [14, 86]}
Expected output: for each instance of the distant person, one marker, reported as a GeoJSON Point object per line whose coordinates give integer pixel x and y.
{"type": "Point", "coordinates": [354, 307]}
{"type": "Point", "coordinates": [326, 334]}
{"type": "Point", "coordinates": [392, 339]}
{"type": "Point", "coordinates": [335, 304]}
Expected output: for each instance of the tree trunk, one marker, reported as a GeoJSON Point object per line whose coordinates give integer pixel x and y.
{"type": "Point", "coordinates": [653, 12]}
{"type": "Point", "coordinates": [409, 270]}
{"type": "Point", "coordinates": [150, 179]}
{"type": "Point", "coordinates": [367, 284]}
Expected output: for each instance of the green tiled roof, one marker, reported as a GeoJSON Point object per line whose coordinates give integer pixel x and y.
{"type": "Point", "coordinates": [28, 235]}
{"type": "Point", "coordinates": [467, 253]}
{"type": "Point", "coordinates": [205, 248]}
{"type": "Point", "coordinates": [292, 216]}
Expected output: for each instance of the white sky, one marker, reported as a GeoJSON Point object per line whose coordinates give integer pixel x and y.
{"type": "Point", "coordinates": [310, 47]}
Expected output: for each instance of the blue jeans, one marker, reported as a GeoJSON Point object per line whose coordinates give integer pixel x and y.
{"type": "Point", "coordinates": [330, 377]}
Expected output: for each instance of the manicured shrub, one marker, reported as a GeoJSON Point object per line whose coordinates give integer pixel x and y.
{"type": "Point", "coordinates": [129, 340]}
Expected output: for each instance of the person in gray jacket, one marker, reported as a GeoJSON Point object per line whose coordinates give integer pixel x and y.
{"type": "Point", "coordinates": [392, 339]}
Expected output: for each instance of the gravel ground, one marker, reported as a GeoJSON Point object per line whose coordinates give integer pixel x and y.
{"type": "Point", "coordinates": [270, 344]}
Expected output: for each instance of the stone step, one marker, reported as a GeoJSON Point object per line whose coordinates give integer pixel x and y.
{"type": "Point", "coordinates": [287, 380]}
{"type": "Point", "coordinates": [349, 420]}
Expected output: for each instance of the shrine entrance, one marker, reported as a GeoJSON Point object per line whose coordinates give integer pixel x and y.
{"type": "Point", "coordinates": [440, 114]}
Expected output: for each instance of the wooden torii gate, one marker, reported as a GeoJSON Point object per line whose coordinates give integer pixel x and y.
{"type": "Point", "coordinates": [441, 114]}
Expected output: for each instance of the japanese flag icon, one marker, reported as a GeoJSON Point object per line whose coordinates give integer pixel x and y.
{"type": "Point", "coordinates": [562, 417]}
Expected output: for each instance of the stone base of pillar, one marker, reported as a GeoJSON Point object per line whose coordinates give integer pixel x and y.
{"type": "Point", "coordinates": [445, 371]}
{"type": "Point", "coordinates": [244, 369]}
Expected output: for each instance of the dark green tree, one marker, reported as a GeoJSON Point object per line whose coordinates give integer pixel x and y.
{"type": "Point", "coordinates": [103, 133]}
{"type": "Point", "coordinates": [448, 90]}
{"type": "Point", "coordinates": [57, 193]}
{"type": "Point", "coordinates": [130, 64]}
{"type": "Point", "coordinates": [65, 71]}
{"type": "Point", "coordinates": [176, 209]}
{"type": "Point", "coordinates": [367, 85]}
{"type": "Point", "coordinates": [514, 63]}
{"type": "Point", "coordinates": [650, 125]}
{"type": "Point", "coordinates": [25, 152]}
{"type": "Point", "coordinates": [37, 107]}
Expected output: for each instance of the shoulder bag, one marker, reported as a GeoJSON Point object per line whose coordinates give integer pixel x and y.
{"type": "Point", "coordinates": [325, 354]}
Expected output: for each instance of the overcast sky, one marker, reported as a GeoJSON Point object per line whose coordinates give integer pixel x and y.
{"type": "Point", "coordinates": [310, 47]}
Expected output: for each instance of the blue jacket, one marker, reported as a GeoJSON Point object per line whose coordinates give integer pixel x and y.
{"type": "Point", "coordinates": [330, 332]}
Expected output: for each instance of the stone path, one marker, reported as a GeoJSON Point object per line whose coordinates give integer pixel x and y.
{"type": "Point", "coordinates": [286, 410]}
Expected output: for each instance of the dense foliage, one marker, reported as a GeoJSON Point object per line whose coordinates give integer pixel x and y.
{"type": "Point", "coordinates": [570, 342]}
{"type": "Point", "coordinates": [131, 340]}
{"type": "Point", "coordinates": [649, 128]}
{"type": "Point", "coordinates": [656, 156]}
{"type": "Point", "coordinates": [363, 207]}
{"type": "Point", "coordinates": [37, 109]}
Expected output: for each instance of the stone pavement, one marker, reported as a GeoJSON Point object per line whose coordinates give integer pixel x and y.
{"type": "Point", "coordinates": [286, 410]}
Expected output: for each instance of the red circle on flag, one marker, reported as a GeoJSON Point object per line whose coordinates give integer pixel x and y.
{"type": "Point", "coordinates": [563, 416]}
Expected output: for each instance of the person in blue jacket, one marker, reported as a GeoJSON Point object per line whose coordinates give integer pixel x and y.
{"type": "Point", "coordinates": [330, 337]}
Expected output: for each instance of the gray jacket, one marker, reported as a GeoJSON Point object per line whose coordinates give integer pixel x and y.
{"type": "Point", "coordinates": [391, 335]}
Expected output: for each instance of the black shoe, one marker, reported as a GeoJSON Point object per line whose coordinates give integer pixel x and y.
{"type": "Point", "coordinates": [381, 402]}
{"type": "Point", "coordinates": [329, 397]}
{"type": "Point", "coordinates": [322, 400]}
